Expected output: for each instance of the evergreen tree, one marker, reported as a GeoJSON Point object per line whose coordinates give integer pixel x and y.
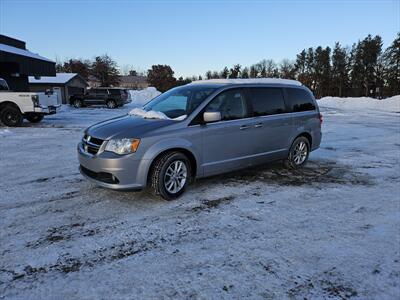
{"type": "Point", "coordinates": [340, 70]}
{"type": "Point", "coordinates": [105, 69]}
{"type": "Point", "coordinates": [245, 73]}
{"type": "Point", "coordinates": [322, 71]}
{"type": "Point", "coordinates": [391, 72]}
{"type": "Point", "coordinates": [365, 63]}
{"type": "Point", "coordinates": [161, 77]}
{"type": "Point", "coordinates": [133, 73]}
{"type": "Point", "coordinates": [253, 72]}
{"type": "Point", "coordinates": [235, 71]}
{"type": "Point", "coordinates": [215, 75]}
{"type": "Point", "coordinates": [182, 81]}
{"type": "Point", "coordinates": [309, 80]}
{"type": "Point", "coordinates": [81, 67]}
{"type": "Point", "coordinates": [301, 66]}
{"type": "Point", "coordinates": [208, 75]}
{"type": "Point", "coordinates": [224, 73]}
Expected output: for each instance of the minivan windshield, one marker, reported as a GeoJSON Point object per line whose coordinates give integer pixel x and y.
{"type": "Point", "coordinates": [180, 101]}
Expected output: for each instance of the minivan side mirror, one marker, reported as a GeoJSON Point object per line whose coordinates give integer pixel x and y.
{"type": "Point", "coordinates": [211, 116]}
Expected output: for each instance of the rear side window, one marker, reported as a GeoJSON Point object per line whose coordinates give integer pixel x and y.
{"type": "Point", "coordinates": [267, 101]}
{"type": "Point", "coordinates": [231, 104]}
{"type": "Point", "coordinates": [299, 100]}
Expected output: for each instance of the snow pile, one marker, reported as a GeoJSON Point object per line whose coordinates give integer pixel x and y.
{"type": "Point", "coordinates": [148, 114]}
{"type": "Point", "coordinates": [141, 97]}
{"type": "Point", "coordinates": [363, 103]}
{"type": "Point", "coordinates": [153, 114]}
{"type": "Point", "coordinates": [5, 132]}
{"type": "Point", "coordinates": [60, 78]}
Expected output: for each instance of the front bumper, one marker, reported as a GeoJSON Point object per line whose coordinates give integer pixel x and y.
{"type": "Point", "coordinates": [49, 110]}
{"type": "Point", "coordinates": [113, 171]}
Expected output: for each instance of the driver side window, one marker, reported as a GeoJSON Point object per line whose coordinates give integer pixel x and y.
{"type": "Point", "coordinates": [231, 104]}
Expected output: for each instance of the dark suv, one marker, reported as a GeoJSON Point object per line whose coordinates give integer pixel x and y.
{"type": "Point", "coordinates": [111, 97]}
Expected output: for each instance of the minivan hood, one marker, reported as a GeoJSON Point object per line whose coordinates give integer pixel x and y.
{"type": "Point", "coordinates": [125, 127]}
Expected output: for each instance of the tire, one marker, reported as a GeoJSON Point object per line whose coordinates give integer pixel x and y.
{"type": "Point", "coordinates": [11, 116]}
{"type": "Point", "coordinates": [164, 185]}
{"type": "Point", "coordinates": [111, 104]}
{"type": "Point", "coordinates": [34, 118]}
{"type": "Point", "coordinates": [298, 154]}
{"type": "Point", "coordinates": [78, 103]}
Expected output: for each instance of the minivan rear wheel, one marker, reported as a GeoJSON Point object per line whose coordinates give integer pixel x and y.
{"type": "Point", "coordinates": [170, 175]}
{"type": "Point", "coordinates": [298, 154]}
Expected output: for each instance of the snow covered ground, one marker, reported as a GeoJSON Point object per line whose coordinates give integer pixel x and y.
{"type": "Point", "coordinates": [331, 230]}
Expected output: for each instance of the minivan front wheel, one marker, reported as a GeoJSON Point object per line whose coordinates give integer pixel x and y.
{"type": "Point", "coordinates": [170, 175]}
{"type": "Point", "coordinates": [298, 154]}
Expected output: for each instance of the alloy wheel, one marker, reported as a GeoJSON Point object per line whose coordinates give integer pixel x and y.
{"type": "Point", "coordinates": [111, 104]}
{"type": "Point", "coordinates": [175, 176]}
{"type": "Point", "coordinates": [300, 152]}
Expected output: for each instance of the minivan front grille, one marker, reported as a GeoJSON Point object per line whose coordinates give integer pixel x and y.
{"type": "Point", "coordinates": [91, 144]}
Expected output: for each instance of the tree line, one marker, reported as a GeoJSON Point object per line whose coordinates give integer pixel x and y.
{"type": "Point", "coordinates": [364, 69]}
{"type": "Point", "coordinates": [103, 68]}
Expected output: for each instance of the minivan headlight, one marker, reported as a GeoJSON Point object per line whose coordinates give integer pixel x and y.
{"type": "Point", "coordinates": [122, 146]}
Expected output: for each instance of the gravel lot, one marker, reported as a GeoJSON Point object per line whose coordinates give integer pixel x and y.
{"type": "Point", "coordinates": [331, 230]}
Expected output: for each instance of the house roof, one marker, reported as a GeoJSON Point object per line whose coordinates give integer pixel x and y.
{"type": "Point", "coordinates": [132, 79]}
{"type": "Point", "coordinates": [7, 40]}
{"type": "Point", "coordinates": [15, 59]}
{"type": "Point", "coordinates": [21, 52]}
{"type": "Point", "coordinates": [60, 78]}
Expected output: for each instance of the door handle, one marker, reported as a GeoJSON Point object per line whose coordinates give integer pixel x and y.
{"type": "Point", "coordinates": [258, 125]}
{"type": "Point", "coordinates": [243, 127]}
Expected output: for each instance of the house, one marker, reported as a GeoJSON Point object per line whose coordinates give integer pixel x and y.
{"type": "Point", "coordinates": [65, 84]}
{"type": "Point", "coordinates": [133, 82]}
{"type": "Point", "coordinates": [17, 63]}
{"type": "Point", "coordinates": [93, 81]}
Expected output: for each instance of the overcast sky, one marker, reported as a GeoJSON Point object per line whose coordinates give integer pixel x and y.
{"type": "Point", "coordinates": [193, 36]}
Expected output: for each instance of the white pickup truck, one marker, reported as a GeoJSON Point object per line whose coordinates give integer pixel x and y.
{"type": "Point", "coordinates": [15, 106]}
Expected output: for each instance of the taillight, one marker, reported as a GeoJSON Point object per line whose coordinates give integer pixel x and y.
{"type": "Point", "coordinates": [321, 118]}
{"type": "Point", "coordinates": [35, 100]}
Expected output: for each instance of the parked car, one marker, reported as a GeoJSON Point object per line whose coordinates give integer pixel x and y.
{"type": "Point", "coordinates": [111, 97]}
{"type": "Point", "coordinates": [15, 106]}
{"type": "Point", "coordinates": [202, 129]}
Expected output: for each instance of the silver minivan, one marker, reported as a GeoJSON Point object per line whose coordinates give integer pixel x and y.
{"type": "Point", "coordinates": [202, 129]}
